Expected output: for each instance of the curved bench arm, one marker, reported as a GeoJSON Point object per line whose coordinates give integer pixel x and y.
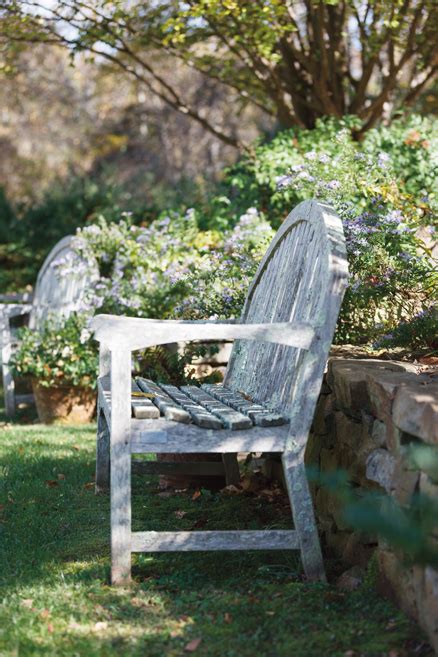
{"type": "Point", "coordinates": [8, 310]}
{"type": "Point", "coordinates": [133, 333]}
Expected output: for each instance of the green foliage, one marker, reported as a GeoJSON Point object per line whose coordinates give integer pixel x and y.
{"type": "Point", "coordinates": [409, 528]}
{"type": "Point", "coordinates": [68, 205]}
{"type": "Point", "coordinates": [418, 331]}
{"type": "Point", "coordinates": [170, 267]}
{"type": "Point", "coordinates": [164, 365]}
{"type": "Point", "coordinates": [58, 354]}
{"type": "Point", "coordinates": [381, 204]}
{"type": "Point", "coordinates": [7, 217]}
{"type": "Point", "coordinates": [270, 54]}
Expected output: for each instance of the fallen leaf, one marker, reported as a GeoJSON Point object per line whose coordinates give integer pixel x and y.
{"type": "Point", "coordinates": [101, 625]}
{"type": "Point", "coordinates": [50, 628]}
{"type": "Point", "coordinates": [45, 613]}
{"type": "Point", "coordinates": [199, 524]}
{"type": "Point", "coordinates": [180, 514]}
{"type": "Point", "coordinates": [89, 485]}
{"type": "Point", "coordinates": [27, 602]}
{"type": "Point", "coordinates": [175, 633]}
{"type": "Point", "coordinates": [61, 477]}
{"type": "Point", "coordinates": [76, 447]}
{"type": "Point", "coordinates": [227, 617]}
{"type": "Point", "coordinates": [73, 625]}
{"type": "Point", "coordinates": [196, 494]}
{"type": "Point", "coordinates": [184, 618]}
{"type": "Point", "coordinates": [232, 490]}
{"type": "Point", "coordinates": [146, 395]}
{"type": "Point", "coordinates": [51, 483]}
{"type": "Point", "coordinates": [192, 645]}
{"type": "Point", "coordinates": [138, 602]}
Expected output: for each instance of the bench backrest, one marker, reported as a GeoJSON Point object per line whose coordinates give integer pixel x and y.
{"type": "Point", "coordinates": [58, 293]}
{"type": "Point", "coordinates": [302, 278]}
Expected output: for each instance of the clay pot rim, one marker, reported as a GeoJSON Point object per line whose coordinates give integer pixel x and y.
{"type": "Point", "coordinates": [64, 386]}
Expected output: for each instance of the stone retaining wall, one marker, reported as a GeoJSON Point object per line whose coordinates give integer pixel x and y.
{"type": "Point", "coordinates": [368, 414]}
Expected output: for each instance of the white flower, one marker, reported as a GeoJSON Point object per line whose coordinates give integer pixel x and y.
{"type": "Point", "coordinates": [283, 181]}
{"type": "Point", "coordinates": [85, 335]}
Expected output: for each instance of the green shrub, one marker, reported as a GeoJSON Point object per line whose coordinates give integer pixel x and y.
{"type": "Point", "coordinates": [58, 354]}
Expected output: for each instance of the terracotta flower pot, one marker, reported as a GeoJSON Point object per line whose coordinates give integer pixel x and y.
{"type": "Point", "coordinates": [64, 404]}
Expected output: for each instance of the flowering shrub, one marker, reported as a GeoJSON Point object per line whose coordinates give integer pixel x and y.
{"type": "Point", "coordinates": [58, 355]}
{"type": "Point", "coordinates": [391, 272]}
{"type": "Point", "coordinates": [419, 330]}
{"type": "Point", "coordinates": [199, 263]}
{"type": "Point", "coordinates": [169, 269]}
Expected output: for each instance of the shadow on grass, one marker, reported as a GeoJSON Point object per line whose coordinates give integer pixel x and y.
{"type": "Point", "coordinates": [54, 572]}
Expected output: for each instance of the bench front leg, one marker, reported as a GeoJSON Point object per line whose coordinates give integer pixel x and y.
{"type": "Point", "coordinates": [120, 454]}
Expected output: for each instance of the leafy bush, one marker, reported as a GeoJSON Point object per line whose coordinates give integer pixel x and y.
{"type": "Point", "coordinates": [411, 145]}
{"type": "Point", "coordinates": [409, 527]}
{"type": "Point", "coordinates": [170, 267]}
{"type": "Point", "coordinates": [198, 263]}
{"type": "Point", "coordinates": [392, 275]}
{"type": "Point", "coordinates": [58, 354]}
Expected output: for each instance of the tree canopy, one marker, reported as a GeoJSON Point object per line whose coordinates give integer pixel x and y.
{"type": "Point", "coordinates": [297, 60]}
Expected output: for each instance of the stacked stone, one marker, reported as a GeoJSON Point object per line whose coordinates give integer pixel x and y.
{"type": "Point", "coordinates": [368, 416]}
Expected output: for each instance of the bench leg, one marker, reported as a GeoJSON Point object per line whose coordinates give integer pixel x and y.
{"type": "Point", "coordinates": [120, 467]}
{"type": "Point", "coordinates": [102, 454]}
{"type": "Point", "coordinates": [303, 516]}
{"type": "Point", "coordinates": [8, 379]}
{"type": "Point", "coordinates": [232, 472]}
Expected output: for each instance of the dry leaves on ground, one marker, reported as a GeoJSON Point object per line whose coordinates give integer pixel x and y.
{"type": "Point", "coordinates": [192, 645]}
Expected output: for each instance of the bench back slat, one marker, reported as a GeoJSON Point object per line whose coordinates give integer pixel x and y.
{"type": "Point", "coordinates": [58, 294]}
{"type": "Point", "coordinates": [301, 279]}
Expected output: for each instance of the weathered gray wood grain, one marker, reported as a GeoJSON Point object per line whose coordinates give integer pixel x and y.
{"type": "Point", "coordinates": [274, 539]}
{"type": "Point", "coordinates": [152, 436]}
{"type": "Point", "coordinates": [55, 296]}
{"type": "Point", "coordinates": [164, 402]}
{"type": "Point", "coordinates": [142, 407]}
{"type": "Point", "coordinates": [278, 360]}
{"type": "Point", "coordinates": [199, 415]}
{"type": "Point", "coordinates": [121, 467]}
{"type": "Point", "coordinates": [230, 418]}
{"type": "Point", "coordinates": [257, 413]}
{"type": "Point", "coordinates": [138, 333]}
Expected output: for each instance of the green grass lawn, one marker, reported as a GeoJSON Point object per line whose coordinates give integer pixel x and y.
{"type": "Point", "coordinates": [54, 573]}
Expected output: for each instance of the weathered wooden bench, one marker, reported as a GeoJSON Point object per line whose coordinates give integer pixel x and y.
{"type": "Point", "coordinates": [54, 295]}
{"type": "Point", "coordinates": [278, 360]}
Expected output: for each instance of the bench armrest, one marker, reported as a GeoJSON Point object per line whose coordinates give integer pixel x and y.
{"type": "Point", "coordinates": [8, 310]}
{"type": "Point", "coordinates": [136, 333]}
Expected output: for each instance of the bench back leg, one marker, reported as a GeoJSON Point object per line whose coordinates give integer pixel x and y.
{"type": "Point", "coordinates": [303, 515]}
{"type": "Point", "coordinates": [8, 379]}
{"type": "Point", "coordinates": [232, 472]}
{"type": "Point", "coordinates": [102, 454]}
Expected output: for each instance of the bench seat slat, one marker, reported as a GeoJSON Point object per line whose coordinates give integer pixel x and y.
{"type": "Point", "coordinates": [164, 436]}
{"type": "Point", "coordinates": [164, 402]}
{"type": "Point", "coordinates": [230, 418]}
{"type": "Point", "coordinates": [201, 416]}
{"type": "Point", "coordinates": [260, 415]}
{"type": "Point", "coordinates": [273, 539]}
